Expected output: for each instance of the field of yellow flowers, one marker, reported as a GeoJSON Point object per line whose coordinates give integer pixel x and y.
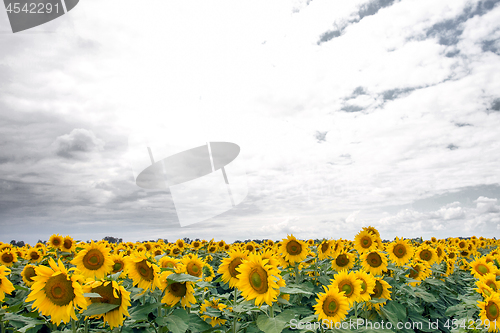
{"type": "Point", "coordinates": [360, 285]}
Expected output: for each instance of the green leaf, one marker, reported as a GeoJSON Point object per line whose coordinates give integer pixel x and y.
{"type": "Point", "coordinates": [286, 315]}
{"type": "Point", "coordinates": [196, 324]}
{"type": "Point", "coordinates": [176, 323]}
{"type": "Point", "coordinates": [294, 290]}
{"type": "Point", "coordinates": [427, 297]}
{"type": "Point", "coordinates": [92, 295]}
{"type": "Point", "coordinates": [141, 312]}
{"type": "Point", "coordinates": [99, 308]}
{"type": "Point", "coordinates": [398, 309]}
{"type": "Point", "coordinates": [435, 282]}
{"type": "Point", "coordinates": [176, 277]}
{"type": "Point", "coordinates": [270, 325]}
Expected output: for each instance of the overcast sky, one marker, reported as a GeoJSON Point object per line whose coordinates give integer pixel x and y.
{"type": "Point", "coordinates": [348, 114]}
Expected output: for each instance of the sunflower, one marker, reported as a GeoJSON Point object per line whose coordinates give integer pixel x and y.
{"type": "Point", "coordinates": [177, 291]}
{"type": "Point", "coordinates": [490, 310]}
{"type": "Point", "coordinates": [480, 267]}
{"type": "Point", "coordinates": [483, 289]}
{"type": "Point", "coordinates": [325, 249]}
{"type": "Point", "coordinates": [228, 267]}
{"type": "Point", "coordinates": [8, 257]}
{"type": "Point", "coordinates": [143, 273]}
{"type": "Point", "coordinates": [34, 255]}
{"type": "Point", "coordinates": [374, 262]}
{"type": "Point", "coordinates": [27, 274]}
{"type": "Point", "coordinates": [192, 266]}
{"type": "Point", "coordinates": [293, 250]}
{"type": "Point", "coordinates": [94, 261]}
{"type": "Point", "coordinates": [365, 242]}
{"type": "Point", "coordinates": [168, 262]}
{"type": "Point", "coordinates": [250, 247]}
{"type": "Point", "coordinates": [68, 244]}
{"type": "Point", "coordinates": [111, 293]}
{"type": "Point", "coordinates": [367, 284]}
{"type": "Point", "coordinates": [372, 230]}
{"type": "Point", "coordinates": [6, 287]}
{"type": "Point", "coordinates": [349, 284]}
{"type": "Point", "coordinates": [56, 293]}
{"type": "Point", "coordinates": [400, 252]}
{"type": "Point", "coordinates": [450, 267]}
{"type": "Point", "coordinates": [380, 291]}
{"type": "Point", "coordinates": [491, 281]}
{"type": "Point", "coordinates": [259, 280]}
{"type": "Point", "coordinates": [345, 260]}
{"type": "Point", "coordinates": [208, 273]}
{"type": "Point", "coordinates": [119, 262]}
{"type": "Point", "coordinates": [55, 241]}
{"type": "Point", "coordinates": [331, 306]}
{"type": "Point", "coordinates": [426, 253]}
{"type": "Point", "coordinates": [213, 304]}
{"type": "Point", "coordinates": [419, 270]}
{"type": "Point", "coordinates": [175, 251]}
{"type": "Point", "coordinates": [196, 245]}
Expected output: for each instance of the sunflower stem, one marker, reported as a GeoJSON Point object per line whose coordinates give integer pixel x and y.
{"type": "Point", "coordinates": [73, 325]}
{"type": "Point", "coordinates": [235, 319]}
{"type": "Point", "coordinates": [86, 327]}
{"type": "Point", "coordinates": [1, 325]}
{"type": "Point", "coordinates": [271, 311]}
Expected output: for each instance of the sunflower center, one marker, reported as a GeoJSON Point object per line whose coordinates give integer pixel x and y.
{"type": "Point", "coordinates": [107, 295]}
{"type": "Point", "coordinates": [366, 242]}
{"type": "Point", "coordinates": [93, 260]}
{"type": "Point", "coordinates": [425, 255]}
{"type": "Point", "coordinates": [347, 288]}
{"type": "Point", "coordinates": [67, 244]}
{"type": "Point", "coordinates": [29, 272]}
{"type": "Point", "coordinates": [482, 269]}
{"type": "Point", "coordinates": [34, 255]}
{"type": "Point", "coordinates": [492, 285]}
{"type": "Point", "coordinates": [258, 280]}
{"type": "Point", "coordinates": [374, 259]}
{"type": "Point", "coordinates": [330, 306]}
{"type": "Point", "coordinates": [377, 290]}
{"type": "Point", "coordinates": [492, 311]}
{"type": "Point", "coordinates": [414, 271]}
{"type": "Point", "coordinates": [117, 267]}
{"type": "Point", "coordinates": [7, 257]}
{"type": "Point", "coordinates": [146, 272]}
{"type": "Point", "coordinates": [178, 289]}
{"type": "Point", "coordinates": [363, 286]}
{"type": "Point", "coordinates": [193, 269]}
{"type": "Point", "coordinates": [232, 267]}
{"type": "Point", "coordinates": [342, 260]}
{"type": "Point", "coordinates": [451, 255]}
{"type": "Point", "coordinates": [439, 252]}
{"type": "Point", "coordinates": [56, 242]}
{"type": "Point", "coordinates": [59, 290]}
{"type": "Point", "coordinates": [399, 250]}
{"type": "Point", "coordinates": [293, 248]}
{"type": "Point", "coordinates": [324, 247]}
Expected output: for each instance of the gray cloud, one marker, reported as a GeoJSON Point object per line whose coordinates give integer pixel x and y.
{"type": "Point", "coordinates": [78, 141]}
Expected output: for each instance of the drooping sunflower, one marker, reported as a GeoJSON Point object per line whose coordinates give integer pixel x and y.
{"type": "Point", "coordinates": [94, 261]}
{"type": "Point", "coordinates": [426, 253]}
{"type": "Point", "coordinates": [68, 244]}
{"type": "Point", "coordinates": [293, 250]}
{"type": "Point", "coordinates": [8, 257]}
{"type": "Point", "coordinates": [168, 262]}
{"type": "Point", "coordinates": [34, 255]}
{"type": "Point", "coordinates": [56, 293]}
{"type": "Point", "coordinates": [177, 291]}
{"type": "Point", "coordinates": [55, 241]}
{"type": "Point", "coordinates": [450, 266]}
{"type": "Point", "coordinates": [228, 266]}
{"type": "Point", "coordinates": [419, 270]}
{"type": "Point", "coordinates": [214, 303]}
{"type": "Point", "coordinates": [374, 262]}
{"type": "Point", "coordinates": [111, 292]}
{"type": "Point", "coordinates": [192, 265]}
{"type": "Point", "coordinates": [345, 260]}
{"type": "Point", "coordinates": [143, 273]}
{"type": "Point", "coordinates": [490, 310]}
{"type": "Point", "coordinates": [372, 230]}
{"type": "Point", "coordinates": [6, 287]}
{"type": "Point", "coordinates": [400, 251]}
{"type": "Point", "coordinates": [380, 291]}
{"type": "Point", "coordinates": [349, 284]}
{"type": "Point", "coordinates": [367, 285]}
{"type": "Point", "coordinates": [365, 242]}
{"type": "Point", "coordinates": [331, 306]}
{"type": "Point", "coordinates": [480, 267]}
{"type": "Point", "coordinates": [28, 274]}
{"type": "Point", "coordinates": [208, 273]}
{"type": "Point", "coordinates": [258, 280]}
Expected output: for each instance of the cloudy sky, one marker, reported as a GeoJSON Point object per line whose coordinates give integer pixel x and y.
{"type": "Point", "coordinates": [348, 114]}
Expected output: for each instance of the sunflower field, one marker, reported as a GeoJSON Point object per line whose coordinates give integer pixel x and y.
{"type": "Point", "coordinates": [292, 285]}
